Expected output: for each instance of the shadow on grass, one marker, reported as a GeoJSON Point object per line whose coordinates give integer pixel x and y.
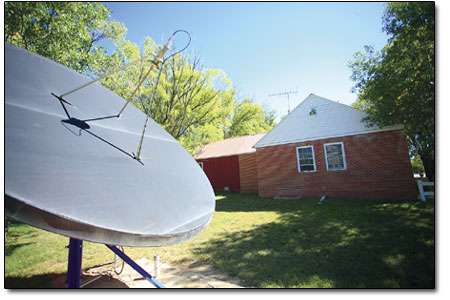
{"type": "Point", "coordinates": [10, 248]}
{"type": "Point", "coordinates": [21, 231]}
{"type": "Point", "coordinates": [340, 244]}
{"type": "Point", "coordinates": [51, 281]}
{"type": "Point", "coordinates": [234, 202]}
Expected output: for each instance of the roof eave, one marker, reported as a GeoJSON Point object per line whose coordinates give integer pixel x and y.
{"type": "Point", "coordinates": [392, 128]}
{"type": "Point", "coordinates": [226, 155]}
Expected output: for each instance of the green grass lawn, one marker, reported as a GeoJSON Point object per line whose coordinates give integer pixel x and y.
{"type": "Point", "coordinates": [342, 243]}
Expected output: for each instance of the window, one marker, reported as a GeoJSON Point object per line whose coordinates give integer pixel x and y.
{"type": "Point", "coordinates": [335, 156]}
{"type": "Point", "coordinates": [305, 159]}
{"type": "Point", "coordinates": [200, 163]}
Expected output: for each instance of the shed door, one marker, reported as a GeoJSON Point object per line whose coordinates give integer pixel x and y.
{"type": "Point", "coordinates": [223, 172]}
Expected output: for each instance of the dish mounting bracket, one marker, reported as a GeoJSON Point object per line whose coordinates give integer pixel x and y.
{"type": "Point", "coordinates": [75, 262]}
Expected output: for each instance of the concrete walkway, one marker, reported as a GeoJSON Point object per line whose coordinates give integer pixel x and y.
{"type": "Point", "coordinates": [195, 275]}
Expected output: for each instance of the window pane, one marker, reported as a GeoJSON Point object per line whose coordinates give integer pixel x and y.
{"type": "Point", "coordinates": [306, 159]}
{"type": "Point", "coordinates": [308, 162]}
{"type": "Point", "coordinates": [335, 157]}
{"type": "Point", "coordinates": [306, 168]}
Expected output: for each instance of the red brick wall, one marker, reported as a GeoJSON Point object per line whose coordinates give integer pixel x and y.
{"type": "Point", "coordinates": [247, 172]}
{"type": "Point", "coordinates": [378, 166]}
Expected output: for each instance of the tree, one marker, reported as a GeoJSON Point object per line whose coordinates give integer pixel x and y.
{"type": "Point", "coordinates": [417, 166]}
{"type": "Point", "coordinates": [250, 118]}
{"type": "Point", "coordinates": [193, 104]}
{"type": "Point", "coordinates": [190, 96]}
{"type": "Point", "coordinates": [396, 85]}
{"type": "Point", "coordinates": [196, 106]}
{"type": "Point", "coordinates": [66, 32]}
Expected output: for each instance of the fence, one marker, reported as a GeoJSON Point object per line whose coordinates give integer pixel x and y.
{"type": "Point", "coordinates": [422, 192]}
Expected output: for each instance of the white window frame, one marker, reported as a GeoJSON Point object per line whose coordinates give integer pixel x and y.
{"type": "Point", "coordinates": [298, 158]}
{"type": "Point", "coordinates": [343, 156]}
{"type": "Point", "coordinates": [200, 163]}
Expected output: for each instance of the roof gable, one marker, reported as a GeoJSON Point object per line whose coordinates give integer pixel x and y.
{"type": "Point", "coordinates": [331, 119]}
{"type": "Point", "coordinates": [228, 147]}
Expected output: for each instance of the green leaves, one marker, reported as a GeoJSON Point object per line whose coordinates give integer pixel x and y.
{"type": "Point", "coordinates": [249, 118]}
{"type": "Point", "coordinates": [66, 32]}
{"type": "Point", "coordinates": [396, 85]}
{"type": "Point", "coordinates": [195, 105]}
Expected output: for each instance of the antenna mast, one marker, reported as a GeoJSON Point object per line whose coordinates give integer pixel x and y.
{"type": "Point", "coordinates": [287, 94]}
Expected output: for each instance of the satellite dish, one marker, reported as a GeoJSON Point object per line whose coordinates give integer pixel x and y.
{"type": "Point", "coordinates": [70, 167]}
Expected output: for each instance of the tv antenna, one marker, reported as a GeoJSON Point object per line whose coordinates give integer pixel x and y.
{"type": "Point", "coordinates": [287, 94]}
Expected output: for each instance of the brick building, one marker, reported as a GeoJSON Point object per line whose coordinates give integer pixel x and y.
{"type": "Point", "coordinates": [323, 148]}
{"type": "Point", "coordinates": [231, 164]}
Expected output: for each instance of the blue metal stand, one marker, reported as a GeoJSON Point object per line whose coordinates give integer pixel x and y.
{"type": "Point", "coordinates": [74, 266]}
{"type": "Point", "coordinates": [135, 266]}
{"type": "Point", "coordinates": [75, 258]}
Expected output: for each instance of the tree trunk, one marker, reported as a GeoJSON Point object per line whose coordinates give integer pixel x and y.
{"type": "Point", "coordinates": [428, 165]}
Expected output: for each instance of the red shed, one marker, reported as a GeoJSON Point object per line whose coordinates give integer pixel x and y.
{"type": "Point", "coordinates": [230, 164]}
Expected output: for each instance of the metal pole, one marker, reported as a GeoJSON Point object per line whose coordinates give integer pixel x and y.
{"type": "Point", "coordinates": [74, 265]}
{"type": "Point", "coordinates": [138, 152]}
{"type": "Point", "coordinates": [156, 265]}
{"type": "Point", "coordinates": [135, 266]}
{"type": "Point", "coordinates": [289, 106]}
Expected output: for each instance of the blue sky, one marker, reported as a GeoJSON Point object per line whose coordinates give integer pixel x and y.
{"type": "Point", "coordinates": [266, 48]}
